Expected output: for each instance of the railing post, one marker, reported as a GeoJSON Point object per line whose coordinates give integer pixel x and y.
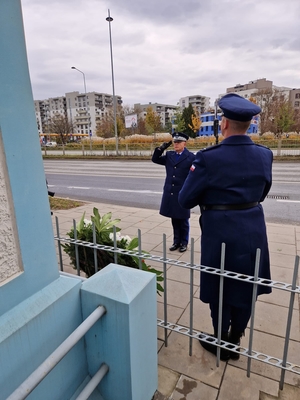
{"type": "Point", "coordinates": [254, 295]}
{"type": "Point", "coordinates": [191, 296]}
{"type": "Point", "coordinates": [289, 322]}
{"type": "Point", "coordinates": [140, 248]}
{"type": "Point", "coordinates": [165, 288]}
{"type": "Point", "coordinates": [95, 249]}
{"type": "Point", "coordinates": [59, 244]}
{"type": "Point", "coordinates": [220, 312]}
{"type": "Point", "coordinates": [76, 248]}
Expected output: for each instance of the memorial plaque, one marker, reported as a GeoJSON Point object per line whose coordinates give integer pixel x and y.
{"type": "Point", "coordinates": [10, 265]}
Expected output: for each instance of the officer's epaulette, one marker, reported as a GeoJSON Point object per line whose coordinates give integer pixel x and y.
{"type": "Point", "coordinates": [215, 146]}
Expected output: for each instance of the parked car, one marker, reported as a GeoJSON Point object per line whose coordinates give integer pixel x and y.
{"type": "Point", "coordinates": [51, 144]}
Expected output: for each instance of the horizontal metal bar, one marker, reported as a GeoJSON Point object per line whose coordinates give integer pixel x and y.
{"type": "Point", "coordinates": [69, 275]}
{"type": "Point", "coordinates": [43, 370]}
{"type": "Point", "coordinates": [93, 383]}
{"type": "Point", "coordinates": [197, 267]}
{"type": "Point", "coordinates": [274, 361]}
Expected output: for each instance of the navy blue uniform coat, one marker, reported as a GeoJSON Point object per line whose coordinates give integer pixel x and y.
{"type": "Point", "coordinates": [235, 172]}
{"type": "Point", "coordinates": [176, 173]}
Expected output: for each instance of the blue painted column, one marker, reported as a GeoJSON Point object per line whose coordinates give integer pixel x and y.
{"type": "Point", "coordinates": [21, 156]}
{"type": "Point", "coordinates": [126, 337]}
{"type": "Point", "coordinates": [38, 308]}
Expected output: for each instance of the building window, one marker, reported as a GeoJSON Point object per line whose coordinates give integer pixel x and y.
{"type": "Point", "coordinates": [297, 103]}
{"type": "Point", "coordinates": [297, 96]}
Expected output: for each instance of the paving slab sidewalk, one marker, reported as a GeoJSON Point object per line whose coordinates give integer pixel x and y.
{"type": "Point", "coordinates": [197, 377]}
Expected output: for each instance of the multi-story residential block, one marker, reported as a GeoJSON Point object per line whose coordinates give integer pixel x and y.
{"type": "Point", "coordinates": [294, 97]}
{"type": "Point", "coordinates": [201, 103]}
{"type": "Point", "coordinates": [47, 109]}
{"type": "Point", "coordinates": [85, 111]}
{"type": "Point", "coordinates": [165, 111]}
{"type": "Point", "coordinates": [82, 110]}
{"type": "Point", "coordinates": [248, 89]}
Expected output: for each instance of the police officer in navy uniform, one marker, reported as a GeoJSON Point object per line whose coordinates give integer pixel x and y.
{"type": "Point", "coordinates": [177, 164]}
{"type": "Point", "coordinates": [229, 181]}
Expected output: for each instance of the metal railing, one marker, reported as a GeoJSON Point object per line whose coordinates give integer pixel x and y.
{"type": "Point", "coordinates": [286, 147]}
{"type": "Point", "coordinates": [46, 367]}
{"type": "Point", "coordinates": [292, 288]}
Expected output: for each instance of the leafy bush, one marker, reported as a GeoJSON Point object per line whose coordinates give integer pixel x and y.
{"type": "Point", "coordinates": [104, 228]}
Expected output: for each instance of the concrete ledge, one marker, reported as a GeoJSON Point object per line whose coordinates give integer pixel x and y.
{"type": "Point", "coordinates": [125, 337]}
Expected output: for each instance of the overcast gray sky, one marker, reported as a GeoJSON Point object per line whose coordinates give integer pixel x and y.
{"type": "Point", "coordinates": [162, 49]}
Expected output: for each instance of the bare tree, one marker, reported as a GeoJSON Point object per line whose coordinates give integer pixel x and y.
{"type": "Point", "coordinates": [60, 125]}
{"type": "Point", "coordinates": [264, 99]}
{"type": "Point", "coordinates": [106, 127]}
{"type": "Point", "coordinates": [277, 113]}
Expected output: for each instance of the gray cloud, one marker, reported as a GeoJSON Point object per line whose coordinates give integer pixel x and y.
{"type": "Point", "coordinates": [162, 50]}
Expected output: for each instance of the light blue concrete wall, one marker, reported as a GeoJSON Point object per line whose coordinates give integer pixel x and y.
{"type": "Point", "coordinates": [32, 331]}
{"type": "Point", "coordinates": [24, 163]}
{"type": "Point", "coordinates": [38, 309]}
{"type": "Point", "coordinates": [126, 337]}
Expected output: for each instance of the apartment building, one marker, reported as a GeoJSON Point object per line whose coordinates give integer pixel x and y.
{"type": "Point", "coordinates": [85, 111]}
{"type": "Point", "coordinates": [294, 97]}
{"type": "Point", "coordinates": [250, 89]}
{"type": "Point", "coordinates": [82, 110]}
{"type": "Point", "coordinates": [47, 109]}
{"type": "Point", "coordinates": [165, 111]}
{"type": "Point", "coordinates": [201, 103]}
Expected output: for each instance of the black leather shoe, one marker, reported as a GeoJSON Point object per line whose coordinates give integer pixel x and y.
{"type": "Point", "coordinates": [183, 248]}
{"type": "Point", "coordinates": [212, 348]}
{"type": "Point", "coordinates": [174, 246]}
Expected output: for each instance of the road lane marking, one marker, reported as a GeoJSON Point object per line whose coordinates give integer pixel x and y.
{"type": "Point", "coordinates": [78, 187]}
{"type": "Point", "coordinates": [289, 201]}
{"type": "Point", "coordinates": [134, 191]}
{"type": "Point", "coordinates": [113, 190]}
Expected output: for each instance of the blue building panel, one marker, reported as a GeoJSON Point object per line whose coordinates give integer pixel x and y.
{"type": "Point", "coordinates": [207, 126]}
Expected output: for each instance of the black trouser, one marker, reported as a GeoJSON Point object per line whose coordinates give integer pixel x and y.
{"type": "Point", "coordinates": [181, 228]}
{"type": "Point", "coordinates": [235, 317]}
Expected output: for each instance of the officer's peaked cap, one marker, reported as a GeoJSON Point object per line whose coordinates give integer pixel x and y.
{"type": "Point", "coordinates": [180, 136]}
{"type": "Point", "coordinates": [238, 108]}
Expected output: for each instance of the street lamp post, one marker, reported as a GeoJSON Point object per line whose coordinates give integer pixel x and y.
{"type": "Point", "coordinates": [110, 19]}
{"type": "Point", "coordinates": [89, 122]}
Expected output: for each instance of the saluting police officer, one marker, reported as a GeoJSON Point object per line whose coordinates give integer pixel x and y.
{"type": "Point", "coordinates": [229, 181]}
{"type": "Point", "coordinates": [177, 164]}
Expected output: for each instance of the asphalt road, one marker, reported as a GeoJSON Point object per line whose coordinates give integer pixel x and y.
{"type": "Point", "coordinates": [140, 183]}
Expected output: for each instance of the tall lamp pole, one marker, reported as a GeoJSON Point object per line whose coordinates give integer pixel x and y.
{"type": "Point", "coordinates": [110, 19]}
{"type": "Point", "coordinates": [89, 122]}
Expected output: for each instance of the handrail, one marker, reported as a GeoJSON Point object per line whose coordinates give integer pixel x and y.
{"type": "Point", "coordinates": [43, 370]}
{"type": "Point", "coordinates": [93, 383]}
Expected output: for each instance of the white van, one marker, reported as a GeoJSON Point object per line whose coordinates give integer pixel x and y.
{"type": "Point", "coordinates": [51, 144]}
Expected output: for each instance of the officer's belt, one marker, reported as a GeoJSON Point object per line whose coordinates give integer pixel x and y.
{"type": "Point", "coordinates": [224, 207]}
